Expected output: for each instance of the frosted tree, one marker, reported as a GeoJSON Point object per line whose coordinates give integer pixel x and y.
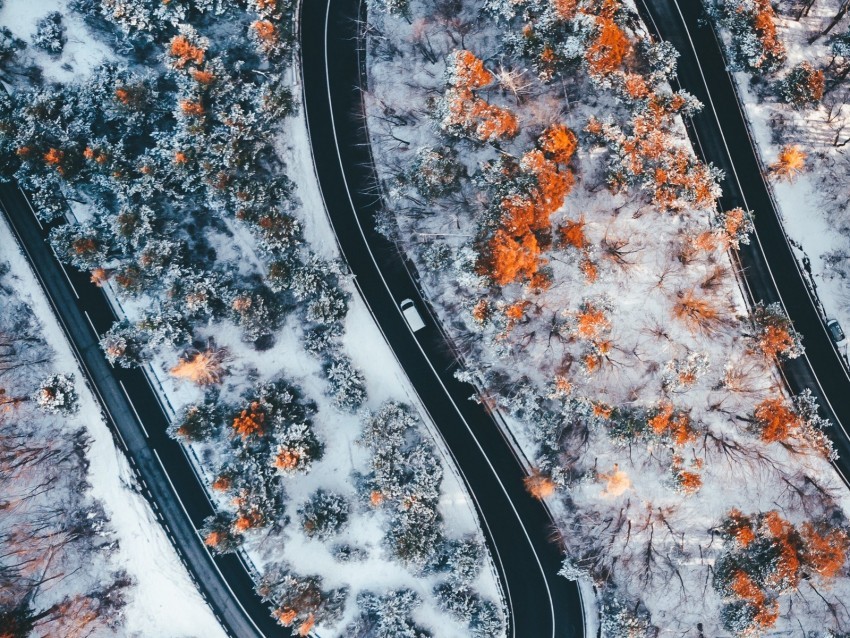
{"type": "Point", "coordinates": [347, 384]}
{"type": "Point", "coordinates": [323, 514]}
{"type": "Point", "coordinates": [124, 344]}
{"type": "Point", "coordinates": [57, 395]}
{"type": "Point", "coordinates": [50, 33]}
{"type": "Point", "coordinates": [387, 616]}
{"type": "Point", "coordinates": [198, 421]}
{"type": "Point", "coordinates": [803, 86]}
{"type": "Point", "coordinates": [300, 601]}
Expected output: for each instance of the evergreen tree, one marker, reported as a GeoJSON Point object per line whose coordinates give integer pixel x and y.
{"type": "Point", "coordinates": [57, 395]}
{"type": "Point", "coordinates": [324, 514]}
{"type": "Point", "coordinates": [50, 33]}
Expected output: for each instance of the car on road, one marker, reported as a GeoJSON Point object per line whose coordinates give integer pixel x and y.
{"type": "Point", "coordinates": [836, 333]}
{"type": "Point", "coordinates": [411, 315]}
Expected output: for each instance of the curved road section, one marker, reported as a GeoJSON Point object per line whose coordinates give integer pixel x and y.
{"type": "Point", "coordinates": [139, 422]}
{"type": "Point", "coordinates": [517, 528]}
{"type": "Point", "coordinates": [770, 269]}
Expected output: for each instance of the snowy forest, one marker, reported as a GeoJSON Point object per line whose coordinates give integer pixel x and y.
{"type": "Point", "coordinates": [159, 158]}
{"type": "Point", "coordinates": [536, 167]}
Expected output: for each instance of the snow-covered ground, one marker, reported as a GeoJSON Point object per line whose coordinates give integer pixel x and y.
{"type": "Point", "coordinates": [163, 601]}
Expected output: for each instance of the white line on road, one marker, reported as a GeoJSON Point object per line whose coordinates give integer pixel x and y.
{"type": "Point", "coordinates": [91, 323]}
{"type": "Point", "coordinates": [130, 401]}
{"type": "Point", "coordinates": [206, 549]}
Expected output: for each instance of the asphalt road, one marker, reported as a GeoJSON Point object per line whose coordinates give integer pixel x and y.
{"type": "Point", "coordinates": [770, 269]}
{"type": "Point", "coordinates": [518, 528]}
{"type": "Point", "coordinates": [139, 423]}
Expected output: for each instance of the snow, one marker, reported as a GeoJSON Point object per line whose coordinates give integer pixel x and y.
{"type": "Point", "coordinates": [163, 601]}
{"type": "Point", "coordinates": [83, 51]}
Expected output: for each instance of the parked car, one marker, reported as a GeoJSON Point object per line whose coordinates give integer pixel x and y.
{"type": "Point", "coordinates": [411, 315]}
{"type": "Point", "coordinates": [835, 331]}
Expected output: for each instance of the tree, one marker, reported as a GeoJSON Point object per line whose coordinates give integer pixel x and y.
{"type": "Point", "coordinates": [201, 368]}
{"type": "Point", "coordinates": [464, 605]}
{"type": "Point", "coordinates": [790, 163]}
{"type": "Point", "coordinates": [608, 49]}
{"type": "Point", "coordinates": [219, 534]}
{"type": "Point", "coordinates": [775, 419]}
{"type": "Point", "coordinates": [755, 42]}
{"type": "Point", "coordinates": [773, 333]}
{"type": "Point", "coordinates": [734, 226]}
{"type": "Point", "coordinates": [125, 345]}
{"type": "Point", "coordinates": [803, 86]}
{"type": "Point", "coordinates": [50, 33]}
{"type": "Point", "coordinates": [347, 384]}
{"type": "Point", "coordinates": [197, 421]}
{"type": "Point", "coordinates": [387, 616]}
{"type": "Point", "coordinates": [300, 601]}
{"type": "Point", "coordinates": [621, 618]}
{"type": "Point", "coordinates": [324, 514]}
{"type": "Point", "coordinates": [56, 394]}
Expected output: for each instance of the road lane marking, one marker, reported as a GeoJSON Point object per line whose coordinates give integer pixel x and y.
{"type": "Point", "coordinates": [130, 401]}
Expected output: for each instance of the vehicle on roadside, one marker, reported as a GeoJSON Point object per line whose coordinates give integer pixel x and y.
{"type": "Point", "coordinates": [836, 333]}
{"type": "Point", "coordinates": [411, 315]}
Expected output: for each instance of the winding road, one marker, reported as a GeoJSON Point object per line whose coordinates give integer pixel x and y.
{"type": "Point", "coordinates": [139, 424]}
{"type": "Point", "coordinates": [771, 271]}
{"type": "Point", "coordinates": [517, 528]}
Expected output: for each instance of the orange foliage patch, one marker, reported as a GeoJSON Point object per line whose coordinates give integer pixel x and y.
{"type": "Point", "coordinates": [776, 419]}
{"type": "Point", "coordinates": [573, 234]}
{"type": "Point", "coordinates": [608, 50]}
{"type": "Point", "coordinates": [286, 459]}
{"type": "Point", "coordinates": [285, 616]}
{"type": "Point", "coordinates": [675, 425]}
{"type": "Point", "coordinates": [201, 368]}
{"type": "Point", "coordinates": [470, 72]}
{"type": "Point", "coordinates": [54, 156]}
{"type": "Point", "coordinates": [565, 9]}
{"type": "Point", "coordinates": [696, 313]}
{"type": "Point", "coordinates": [265, 30]}
{"type": "Point", "coordinates": [192, 109]}
{"type": "Point", "coordinates": [203, 77]}
{"type": "Point", "coordinates": [559, 143]}
{"type": "Point", "coordinates": [100, 276]}
{"type": "Point", "coordinates": [589, 270]}
{"type": "Point", "coordinates": [539, 485]}
{"type": "Point", "coordinates": [185, 52]}
{"type": "Point", "coordinates": [250, 421]}
{"type": "Point", "coordinates": [791, 162]}
{"type": "Point", "coordinates": [591, 322]}
{"type": "Point", "coordinates": [213, 539]}
{"type": "Point", "coordinates": [825, 553]}
{"type": "Point", "coordinates": [307, 626]}
{"type": "Point", "coordinates": [511, 260]}
{"type": "Point", "coordinates": [481, 311]}
{"type": "Point", "coordinates": [775, 341]}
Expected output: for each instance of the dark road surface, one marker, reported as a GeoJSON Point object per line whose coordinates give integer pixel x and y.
{"type": "Point", "coordinates": [517, 527]}
{"type": "Point", "coordinates": [770, 269]}
{"type": "Point", "coordinates": [139, 422]}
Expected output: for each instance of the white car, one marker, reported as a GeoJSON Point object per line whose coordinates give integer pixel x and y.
{"type": "Point", "coordinates": [411, 315]}
{"type": "Point", "coordinates": [836, 333]}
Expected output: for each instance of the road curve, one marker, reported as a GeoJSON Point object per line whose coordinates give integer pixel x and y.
{"type": "Point", "coordinates": [139, 422]}
{"type": "Point", "coordinates": [770, 269]}
{"type": "Point", "coordinates": [517, 528]}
